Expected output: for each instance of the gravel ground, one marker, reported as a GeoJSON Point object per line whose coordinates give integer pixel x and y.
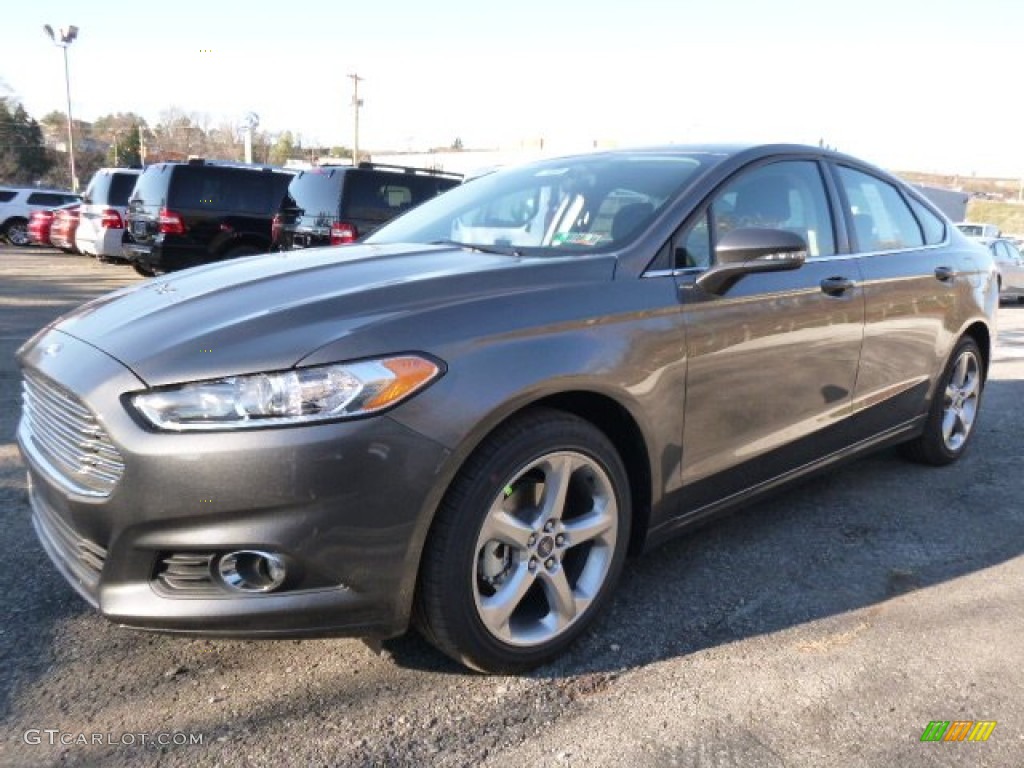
{"type": "Point", "coordinates": [826, 627]}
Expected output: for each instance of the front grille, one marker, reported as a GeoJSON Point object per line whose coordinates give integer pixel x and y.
{"type": "Point", "coordinates": [84, 558]}
{"type": "Point", "coordinates": [69, 437]}
{"type": "Point", "coordinates": [187, 573]}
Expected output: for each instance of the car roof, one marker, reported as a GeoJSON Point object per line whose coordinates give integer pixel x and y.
{"type": "Point", "coordinates": [39, 189]}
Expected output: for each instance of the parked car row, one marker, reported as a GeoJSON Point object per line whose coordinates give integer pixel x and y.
{"type": "Point", "coordinates": [17, 204]}
{"type": "Point", "coordinates": [176, 215]}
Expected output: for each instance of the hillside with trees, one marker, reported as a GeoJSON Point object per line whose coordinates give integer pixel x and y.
{"type": "Point", "coordinates": [35, 152]}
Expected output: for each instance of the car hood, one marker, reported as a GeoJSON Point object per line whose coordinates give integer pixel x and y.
{"type": "Point", "coordinates": [269, 312]}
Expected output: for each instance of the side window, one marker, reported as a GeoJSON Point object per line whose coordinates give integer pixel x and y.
{"type": "Point", "coordinates": [882, 220]}
{"type": "Point", "coordinates": [787, 195]}
{"type": "Point", "coordinates": [6, 195]}
{"type": "Point", "coordinates": [198, 188]}
{"type": "Point", "coordinates": [46, 198]}
{"type": "Point", "coordinates": [933, 227]}
{"type": "Point", "coordinates": [397, 196]}
{"type": "Point", "coordinates": [121, 186]}
{"type": "Point", "coordinates": [251, 193]}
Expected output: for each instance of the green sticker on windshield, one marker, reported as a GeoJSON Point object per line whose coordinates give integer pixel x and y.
{"type": "Point", "coordinates": [576, 238]}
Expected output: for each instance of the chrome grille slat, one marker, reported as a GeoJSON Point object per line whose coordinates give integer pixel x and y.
{"type": "Point", "coordinates": [89, 463]}
{"type": "Point", "coordinates": [52, 411]}
{"type": "Point", "coordinates": [70, 437]}
{"type": "Point", "coordinates": [52, 393]}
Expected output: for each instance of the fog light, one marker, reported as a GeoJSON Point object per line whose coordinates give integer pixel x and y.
{"type": "Point", "coordinates": [251, 571]}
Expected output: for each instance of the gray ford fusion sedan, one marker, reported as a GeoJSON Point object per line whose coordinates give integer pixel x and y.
{"type": "Point", "coordinates": [468, 420]}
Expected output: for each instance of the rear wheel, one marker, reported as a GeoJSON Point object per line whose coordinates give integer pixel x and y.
{"type": "Point", "coordinates": [954, 408]}
{"type": "Point", "coordinates": [16, 232]}
{"type": "Point", "coordinates": [527, 545]}
{"type": "Point", "coordinates": [142, 270]}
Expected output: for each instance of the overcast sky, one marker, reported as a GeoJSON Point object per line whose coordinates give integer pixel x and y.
{"type": "Point", "coordinates": [930, 85]}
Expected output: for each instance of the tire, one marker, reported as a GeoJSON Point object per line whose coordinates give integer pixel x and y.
{"type": "Point", "coordinates": [515, 566]}
{"type": "Point", "coordinates": [16, 232]}
{"type": "Point", "coordinates": [144, 271]}
{"type": "Point", "coordinates": [954, 409]}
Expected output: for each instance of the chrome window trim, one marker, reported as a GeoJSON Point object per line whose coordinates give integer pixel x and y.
{"type": "Point", "coordinates": [833, 257]}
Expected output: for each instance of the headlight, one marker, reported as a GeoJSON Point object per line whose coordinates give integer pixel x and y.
{"type": "Point", "coordinates": [300, 396]}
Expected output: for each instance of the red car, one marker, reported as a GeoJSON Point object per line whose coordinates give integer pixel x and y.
{"type": "Point", "coordinates": [63, 228]}
{"type": "Point", "coordinates": [39, 226]}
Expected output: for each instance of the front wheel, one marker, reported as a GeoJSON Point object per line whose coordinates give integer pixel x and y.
{"type": "Point", "coordinates": [527, 545]}
{"type": "Point", "coordinates": [954, 410]}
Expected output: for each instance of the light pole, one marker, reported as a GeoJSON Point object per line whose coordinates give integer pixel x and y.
{"type": "Point", "coordinates": [67, 37]}
{"type": "Point", "coordinates": [356, 104]}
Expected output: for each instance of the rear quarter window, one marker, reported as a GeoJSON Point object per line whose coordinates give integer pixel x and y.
{"type": "Point", "coordinates": [121, 186]}
{"type": "Point", "coordinates": [932, 226]}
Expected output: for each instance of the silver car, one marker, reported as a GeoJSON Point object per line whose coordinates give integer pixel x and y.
{"type": "Point", "coordinates": [1010, 264]}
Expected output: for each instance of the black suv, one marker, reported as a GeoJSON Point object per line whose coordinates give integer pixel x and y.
{"type": "Point", "coordinates": [184, 214]}
{"type": "Point", "coordinates": [333, 205]}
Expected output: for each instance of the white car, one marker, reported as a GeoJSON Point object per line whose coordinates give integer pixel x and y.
{"type": "Point", "coordinates": [17, 204]}
{"type": "Point", "coordinates": [976, 229]}
{"type": "Point", "coordinates": [1011, 266]}
{"type": "Point", "coordinates": [101, 217]}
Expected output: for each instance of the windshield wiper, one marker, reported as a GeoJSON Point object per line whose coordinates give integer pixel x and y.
{"type": "Point", "coordinates": [501, 250]}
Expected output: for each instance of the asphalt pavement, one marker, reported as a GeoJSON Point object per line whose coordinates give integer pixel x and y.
{"type": "Point", "coordinates": [826, 627]}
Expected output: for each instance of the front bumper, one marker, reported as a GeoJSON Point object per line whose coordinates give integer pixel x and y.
{"type": "Point", "coordinates": [342, 503]}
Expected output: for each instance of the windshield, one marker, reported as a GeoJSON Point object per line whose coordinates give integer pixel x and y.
{"type": "Point", "coordinates": [595, 202]}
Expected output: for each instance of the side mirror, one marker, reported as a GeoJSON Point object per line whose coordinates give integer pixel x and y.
{"type": "Point", "coordinates": [752, 249]}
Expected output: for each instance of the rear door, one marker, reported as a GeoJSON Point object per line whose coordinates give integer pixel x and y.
{"type": "Point", "coordinates": [913, 280]}
{"type": "Point", "coordinates": [772, 359]}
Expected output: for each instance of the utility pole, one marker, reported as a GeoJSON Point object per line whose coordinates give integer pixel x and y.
{"type": "Point", "coordinates": [65, 37]}
{"type": "Point", "coordinates": [356, 104]}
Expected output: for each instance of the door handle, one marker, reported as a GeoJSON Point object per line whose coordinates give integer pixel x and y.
{"type": "Point", "coordinates": [836, 286]}
{"type": "Point", "coordinates": [945, 274]}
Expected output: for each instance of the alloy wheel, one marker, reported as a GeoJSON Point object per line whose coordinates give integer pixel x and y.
{"type": "Point", "coordinates": [961, 400]}
{"type": "Point", "coordinates": [545, 548]}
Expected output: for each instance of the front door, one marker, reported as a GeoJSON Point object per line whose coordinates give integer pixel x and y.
{"type": "Point", "coordinates": [772, 359]}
